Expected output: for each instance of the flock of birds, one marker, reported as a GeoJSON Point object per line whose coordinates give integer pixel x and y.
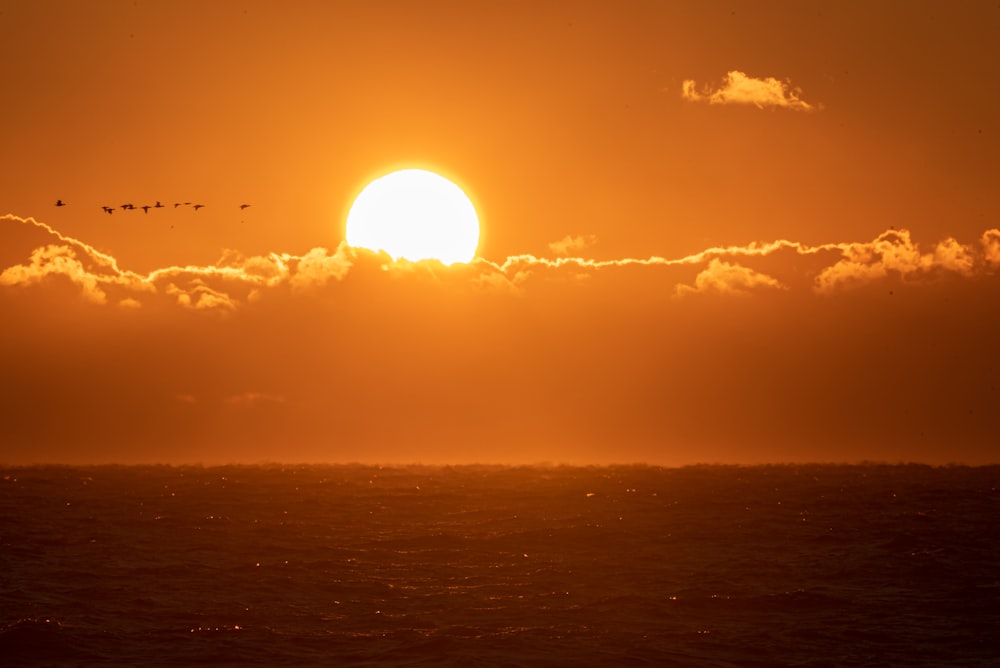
{"type": "Point", "coordinates": [146, 207]}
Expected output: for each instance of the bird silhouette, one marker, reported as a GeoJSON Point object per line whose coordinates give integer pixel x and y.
{"type": "Point", "coordinates": [198, 206]}
{"type": "Point", "coordinates": [243, 206]}
{"type": "Point", "coordinates": [176, 204]}
{"type": "Point", "coordinates": [145, 208]}
{"type": "Point", "coordinates": [128, 207]}
{"type": "Point", "coordinates": [157, 205]}
{"type": "Point", "coordinates": [108, 209]}
{"type": "Point", "coordinates": [59, 202]}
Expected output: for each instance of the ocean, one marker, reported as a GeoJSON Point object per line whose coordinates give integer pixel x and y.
{"type": "Point", "coordinates": [785, 565]}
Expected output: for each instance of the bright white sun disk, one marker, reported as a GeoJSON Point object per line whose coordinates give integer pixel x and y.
{"type": "Point", "coordinates": [415, 214]}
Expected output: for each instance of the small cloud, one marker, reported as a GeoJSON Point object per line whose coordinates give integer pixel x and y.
{"type": "Point", "coordinates": [264, 270]}
{"type": "Point", "coordinates": [130, 303]}
{"type": "Point", "coordinates": [317, 267]}
{"type": "Point", "coordinates": [991, 246]}
{"type": "Point", "coordinates": [570, 244]}
{"type": "Point", "coordinates": [953, 256]}
{"type": "Point", "coordinates": [738, 88]}
{"type": "Point", "coordinates": [201, 297]}
{"type": "Point", "coordinates": [724, 278]}
{"type": "Point", "coordinates": [253, 398]}
{"type": "Point", "coordinates": [895, 252]}
{"type": "Point", "coordinates": [487, 275]}
{"type": "Point", "coordinates": [55, 260]}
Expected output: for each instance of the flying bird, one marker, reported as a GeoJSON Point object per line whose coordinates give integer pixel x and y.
{"type": "Point", "coordinates": [145, 208]}
{"type": "Point", "coordinates": [176, 204]}
{"type": "Point", "coordinates": [127, 207]}
{"type": "Point", "coordinates": [198, 206]}
{"type": "Point", "coordinates": [243, 206]}
{"type": "Point", "coordinates": [108, 209]}
{"type": "Point", "coordinates": [59, 202]}
{"type": "Point", "coordinates": [157, 205]}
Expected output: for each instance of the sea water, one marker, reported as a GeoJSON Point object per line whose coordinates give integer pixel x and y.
{"type": "Point", "coordinates": [794, 565]}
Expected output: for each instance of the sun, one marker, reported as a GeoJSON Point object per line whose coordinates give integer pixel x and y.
{"type": "Point", "coordinates": [415, 214]}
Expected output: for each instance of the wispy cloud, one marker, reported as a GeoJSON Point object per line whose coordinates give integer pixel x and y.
{"type": "Point", "coordinates": [725, 278]}
{"type": "Point", "coordinates": [895, 253]}
{"type": "Point", "coordinates": [738, 88]}
{"type": "Point", "coordinates": [317, 267]}
{"type": "Point", "coordinates": [991, 246]}
{"type": "Point", "coordinates": [247, 399]}
{"type": "Point", "coordinates": [55, 260]}
{"type": "Point", "coordinates": [523, 262]}
{"type": "Point", "coordinates": [201, 297]}
{"type": "Point", "coordinates": [221, 286]}
{"type": "Point", "coordinates": [571, 244]}
{"type": "Point", "coordinates": [235, 281]}
{"type": "Point", "coordinates": [129, 303]}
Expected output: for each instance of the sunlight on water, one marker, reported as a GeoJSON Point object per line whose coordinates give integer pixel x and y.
{"type": "Point", "coordinates": [875, 565]}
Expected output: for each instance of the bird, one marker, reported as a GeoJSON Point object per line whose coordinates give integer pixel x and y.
{"type": "Point", "coordinates": [243, 206]}
{"type": "Point", "coordinates": [176, 204]}
{"type": "Point", "coordinates": [157, 205]}
{"type": "Point", "coordinates": [59, 202]}
{"type": "Point", "coordinates": [108, 209]}
{"type": "Point", "coordinates": [127, 207]}
{"type": "Point", "coordinates": [198, 206]}
{"type": "Point", "coordinates": [145, 208]}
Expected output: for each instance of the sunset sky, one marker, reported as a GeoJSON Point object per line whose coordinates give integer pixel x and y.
{"type": "Point", "coordinates": [733, 232]}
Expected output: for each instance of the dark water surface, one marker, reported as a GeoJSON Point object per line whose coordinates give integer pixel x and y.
{"type": "Point", "coordinates": [488, 566]}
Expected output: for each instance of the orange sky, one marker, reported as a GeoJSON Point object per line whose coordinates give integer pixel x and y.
{"type": "Point", "coordinates": [712, 232]}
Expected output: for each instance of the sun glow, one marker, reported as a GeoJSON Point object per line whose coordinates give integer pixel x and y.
{"type": "Point", "coordinates": [414, 214]}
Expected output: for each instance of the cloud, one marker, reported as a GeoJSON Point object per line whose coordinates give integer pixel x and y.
{"type": "Point", "coordinates": [55, 260]}
{"type": "Point", "coordinates": [490, 277]}
{"type": "Point", "coordinates": [317, 267]}
{"type": "Point", "coordinates": [895, 253]}
{"type": "Point", "coordinates": [953, 256]}
{"type": "Point", "coordinates": [569, 244]}
{"type": "Point", "coordinates": [247, 399]}
{"type": "Point", "coordinates": [235, 282]}
{"type": "Point", "coordinates": [991, 246]}
{"type": "Point", "coordinates": [727, 279]}
{"type": "Point", "coordinates": [488, 341]}
{"type": "Point", "coordinates": [103, 260]}
{"type": "Point", "coordinates": [738, 88]}
{"type": "Point", "coordinates": [200, 297]}
{"type": "Point", "coordinates": [265, 270]}
{"type": "Point", "coordinates": [526, 262]}
{"type": "Point", "coordinates": [223, 285]}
